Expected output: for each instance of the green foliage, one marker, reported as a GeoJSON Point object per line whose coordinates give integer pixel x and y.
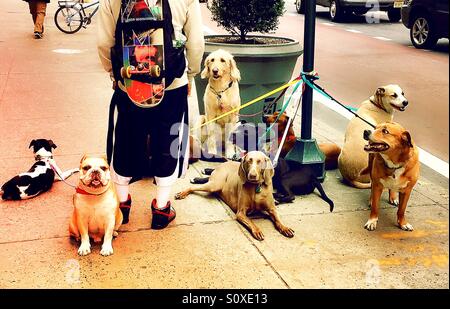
{"type": "Point", "coordinates": [240, 17]}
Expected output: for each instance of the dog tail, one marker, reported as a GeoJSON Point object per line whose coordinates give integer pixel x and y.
{"type": "Point", "coordinates": [323, 195]}
{"type": "Point", "coordinates": [331, 152]}
{"type": "Point", "coordinates": [360, 185]}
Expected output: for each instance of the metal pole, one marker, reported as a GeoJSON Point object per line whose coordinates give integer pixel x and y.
{"type": "Point", "coordinates": [306, 151]}
{"type": "Point", "coordinates": [308, 67]}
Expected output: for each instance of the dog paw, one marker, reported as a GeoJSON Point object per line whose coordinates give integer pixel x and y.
{"type": "Point", "coordinates": [107, 250]}
{"type": "Point", "coordinates": [258, 235]}
{"type": "Point", "coordinates": [84, 249]}
{"type": "Point", "coordinates": [371, 225]}
{"type": "Point", "coordinates": [407, 227]}
{"type": "Point", "coordinates": [394, 202]}
{"type": "Point", "coordinates": [288, 232]}
{"type": "Point", "coordinates": [180, 196]}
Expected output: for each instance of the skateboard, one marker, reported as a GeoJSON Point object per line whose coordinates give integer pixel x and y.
{"type": "Point", "coordinates": [143, 51]}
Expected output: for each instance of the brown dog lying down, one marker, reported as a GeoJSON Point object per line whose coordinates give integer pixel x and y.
{"type": "Point", "coordinates": [331, 151]}
{"type": "Point", "coordinates": [245, 187]}
{"type": "Point", "coordinates": [394, 165]}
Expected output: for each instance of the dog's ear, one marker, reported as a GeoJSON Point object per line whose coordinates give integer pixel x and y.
{"type": "Point", "coordinates": [82, 159]}
{"type": "Point", "coordinates": [406, 138]}
{"type": "Point", "coordinates": [32, 143]}
{"type": "Point", "coordinates": [380, 92]}
{"type": "Point", "coordinates": [234, 71]}
{"type": "Point", "coordinates": [242, 170]}
{"type": "Point", "coordinates": [269, 172]}
{"type": "Point", "coordinates": [205, 73]}
{"type": "Point", "coordinates": [53, 145]}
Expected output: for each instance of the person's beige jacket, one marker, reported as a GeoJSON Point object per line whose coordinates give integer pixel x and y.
{"type": "Point", "coordinates": [186, 17]}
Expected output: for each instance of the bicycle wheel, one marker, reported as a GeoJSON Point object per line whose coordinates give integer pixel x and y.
{"type": "Point", "coordinates": [68, 19]}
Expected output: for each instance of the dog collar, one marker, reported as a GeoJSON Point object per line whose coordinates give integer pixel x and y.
{"type": "Point", "coordinates": [378, 105]}
{"type": "Point", "coordinates": [219, 93]}
{"type": "Point", "coordinates": [390, 165]}
{"type": "Point", "coordinates": [258, 189]}
{"type": "Point", "coordinates": [41, 158]}
{"type": "Point", "coordinates": [82, 192]}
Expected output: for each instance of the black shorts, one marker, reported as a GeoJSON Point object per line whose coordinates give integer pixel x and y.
{"type": "Point", "coordinates": [148, 141]}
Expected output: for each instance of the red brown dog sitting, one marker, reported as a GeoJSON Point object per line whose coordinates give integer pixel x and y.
{"type": "Point", "coordinates": [394, 165]}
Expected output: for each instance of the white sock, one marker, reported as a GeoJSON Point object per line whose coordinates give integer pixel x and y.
{"type": "Point", "coordinates": [163, 196]}
{"type": "Point", "coordinates": [122, 185]}
{"type": "Point", "coordinates": [122, 192]}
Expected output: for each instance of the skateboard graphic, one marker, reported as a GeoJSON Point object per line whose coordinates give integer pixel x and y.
{"type": "Point", "coordinates": [143, 51]}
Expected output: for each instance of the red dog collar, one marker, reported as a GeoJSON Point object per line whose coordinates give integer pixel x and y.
{"type": "Point", "coordinates": [81, 191]}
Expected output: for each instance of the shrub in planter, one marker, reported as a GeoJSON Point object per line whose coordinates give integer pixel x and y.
{"type": "Point", "coordinates": [240, 17]}
{"type": "Point", "coordinates": [266, 62]}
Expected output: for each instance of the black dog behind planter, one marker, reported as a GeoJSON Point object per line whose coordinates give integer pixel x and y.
{"type": "Point", "coordinates": [291, 178]}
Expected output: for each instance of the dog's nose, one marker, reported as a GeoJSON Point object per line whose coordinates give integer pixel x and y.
{"type": "Point", "coordinates": [252, 177]}
{"type": "Point", "coordinates": [215, 71]}
{"type": "Point", "coordinates": [367, 134]}
{"type": "Point", "coordinates": [95, 173]}
{"type": "Point", "coordinates": [405, 103]}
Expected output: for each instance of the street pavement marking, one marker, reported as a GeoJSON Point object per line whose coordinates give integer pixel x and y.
{"type": "Point", "coordinates": [67, 51]}
{"type": "Point", "coordinates": [425, 157]}
{"type": "Point", "coordinates": [329, 24]}
{"type": "Point", "coordinates": [381, 38]}
{"type": "Point", "coordinates": [353, 31]}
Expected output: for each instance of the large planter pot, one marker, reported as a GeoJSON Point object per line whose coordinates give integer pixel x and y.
{"type": "Point", "coordinates": [263, 68]}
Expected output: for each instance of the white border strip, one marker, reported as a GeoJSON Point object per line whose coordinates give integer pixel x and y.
{"type": "Point", "coordinates": [426, 158]}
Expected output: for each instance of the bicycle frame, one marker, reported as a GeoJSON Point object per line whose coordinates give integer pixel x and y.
{"type": "Point", "coordinates": [81, 7]}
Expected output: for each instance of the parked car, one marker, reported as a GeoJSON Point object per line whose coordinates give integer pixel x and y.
{"type": "Point", "coordinates": [427, 21]}
{"type": "Point", "coordinates": [339, 9]}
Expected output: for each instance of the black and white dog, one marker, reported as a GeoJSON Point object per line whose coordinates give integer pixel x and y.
{"type": "Point", "coordinates": [39, 178]}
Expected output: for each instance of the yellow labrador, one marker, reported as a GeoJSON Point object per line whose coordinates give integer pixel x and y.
{"type": "Point", "coordinates": [221, 96]}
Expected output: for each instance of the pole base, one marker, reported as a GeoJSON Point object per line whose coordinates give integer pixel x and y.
{"type": "Point", "coordinates": [307, 152]}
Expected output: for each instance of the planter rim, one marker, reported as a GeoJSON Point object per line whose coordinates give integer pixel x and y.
{"type": "Point", "coordinates": [291, 48]}
{"type": "Point", "coordinates": [291, 41]}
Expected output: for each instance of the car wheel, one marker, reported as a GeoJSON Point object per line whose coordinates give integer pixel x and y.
{"type": "Point", "coordinates": [300, 6]}
{"type": "Point", "coordinates": [337, 13]}
{"type": "Point", "coordinates": [394, 15]}
{"type": "Point", "coordinates": [422, 33]}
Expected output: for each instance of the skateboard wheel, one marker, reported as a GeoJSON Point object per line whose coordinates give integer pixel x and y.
{"type": "Point", "coordinates": [155, 71]}
{"type": "Point", "coordinates": [125, 72]}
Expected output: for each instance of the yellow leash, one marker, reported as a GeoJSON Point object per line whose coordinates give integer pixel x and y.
{"type": "Point", "coordinates": [291, 83]}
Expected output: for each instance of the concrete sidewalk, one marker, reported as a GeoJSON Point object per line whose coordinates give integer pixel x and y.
{"type": "Point", "coordinates": [55, 88]}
